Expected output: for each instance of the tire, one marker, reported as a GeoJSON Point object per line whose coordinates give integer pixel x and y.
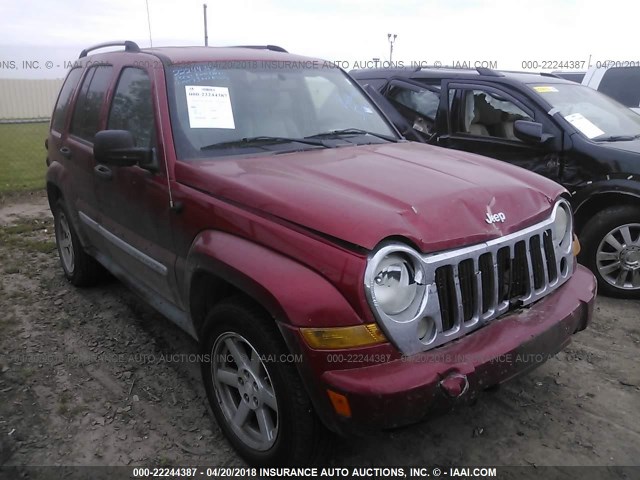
{"type": "Point", "coordinates": [81, 269]}
{"type": "Point", "coordinates": [611, 250]}
{"type": "Point", "coordinates": [274, 391]}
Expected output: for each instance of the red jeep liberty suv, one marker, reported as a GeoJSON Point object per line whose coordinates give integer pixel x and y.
{"type": "Point", "coordinates": [335, 275]}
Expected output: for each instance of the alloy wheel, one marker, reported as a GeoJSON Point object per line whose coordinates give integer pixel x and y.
{"type": "Point", "coordinates": [618, 257]}
{"type": "Point", "coordinates": [244, 391]}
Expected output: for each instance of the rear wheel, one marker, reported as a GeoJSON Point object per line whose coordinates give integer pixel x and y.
{"type": "Point", "coordinates": [79, 267]}
{"type": "Point", "coordinates": [611, 249]}
{"type": "Point", "coordinates": [257, 398]}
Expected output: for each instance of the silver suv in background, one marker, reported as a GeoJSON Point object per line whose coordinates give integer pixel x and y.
{"type": "Point", "coordinates": [621, 83]}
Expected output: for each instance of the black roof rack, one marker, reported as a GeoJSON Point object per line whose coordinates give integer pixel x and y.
{"type": "Point", "coordinates": [128, 45]}
{"type": "Point", "coordinates": [547, 74]}
{"type": "Point", "coordinates": [488, 72]}
{"type": "Point", "coordinates": [274, 48]}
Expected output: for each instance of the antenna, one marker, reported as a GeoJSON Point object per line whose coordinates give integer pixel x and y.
{"type": "Point", "coordinates": [206, 35]}
{"type": "Point", "coordinates": [149, 24]}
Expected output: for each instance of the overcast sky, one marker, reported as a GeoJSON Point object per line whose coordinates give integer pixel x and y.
{"type": "Point", "coordinates": [500, 31]}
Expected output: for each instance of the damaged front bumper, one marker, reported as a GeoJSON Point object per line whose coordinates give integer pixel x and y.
{"type": "Point", "coordinates": [406, 390]}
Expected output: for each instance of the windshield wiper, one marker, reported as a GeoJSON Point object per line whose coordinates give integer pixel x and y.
{"type": "Point", "coordinates": [261, 140]}
{"type": "Point", "coordinates": [618, 138]}
{"type": "Point", "coordinates": [352, 131]}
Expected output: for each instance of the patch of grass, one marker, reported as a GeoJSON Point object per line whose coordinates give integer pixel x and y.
{"type": "Point", "coordinates": [43, 246]}
{"type": "Point", "coordinates": [7, 320]}
{"type": "Point", "coordinates": [18, 236]}
{"type": "Point", "coordinates": [63, 403]}
{"type": "Point", "coordinates": [78, 409]}
{"type": "Point", "coordinates": [63, 323]}
{"type": "Point", "coordinates": [22, 156]}
{"type": "Point", "coordinates": [164, 461]}
{"type": "Point", "coordinates": [26, 227]}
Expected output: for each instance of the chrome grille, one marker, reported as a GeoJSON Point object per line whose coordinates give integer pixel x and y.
{"type": "Point", "coordinates": [467, 290]}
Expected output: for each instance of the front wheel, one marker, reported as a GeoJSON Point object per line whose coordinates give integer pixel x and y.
{"type": "Point", "coordinates": [256, 395]}
{"type": "Point", "coordinates": [611, 249]}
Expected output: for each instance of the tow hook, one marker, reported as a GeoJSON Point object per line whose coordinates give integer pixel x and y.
{"type": "Point", "coordinates": [454, 385]}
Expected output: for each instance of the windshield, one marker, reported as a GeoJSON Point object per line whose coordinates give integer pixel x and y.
{"type": "Point", "coordinates": [221, 109]}
{"type": "Point", "coordinates": [595, 115]}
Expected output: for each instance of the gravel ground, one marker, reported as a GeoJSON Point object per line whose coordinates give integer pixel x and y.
{"type": "Point", "coordinates": [94, 377]}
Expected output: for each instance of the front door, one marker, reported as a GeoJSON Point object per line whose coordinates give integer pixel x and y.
{"type": "Point", "coordinates": [134, 201]}
{"type": "Point", "coordinates": [480, 119]}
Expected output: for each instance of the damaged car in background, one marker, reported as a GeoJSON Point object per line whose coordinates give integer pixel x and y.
{"type": "Point", "coordinates": [580, 138]}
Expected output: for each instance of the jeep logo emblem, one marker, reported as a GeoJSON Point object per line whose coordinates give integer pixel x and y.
{"type": "Point", "coordinates": [495, 217]}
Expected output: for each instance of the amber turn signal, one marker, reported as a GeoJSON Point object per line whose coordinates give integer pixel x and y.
{"type": "Point", "coordinates": [343, 337]}
{"type": "Point", "coordinates": [576, 245]}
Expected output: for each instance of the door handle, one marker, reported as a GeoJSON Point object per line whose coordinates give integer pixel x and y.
{"type": "Point", "coordinates": [65, 152]}
{"type": "Point", "coordinates": [103, 172]}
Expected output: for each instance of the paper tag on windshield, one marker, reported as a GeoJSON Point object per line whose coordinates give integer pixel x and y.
{"type": "Point", "coordinates": [209, 107]}
{"type": "Point", "coordinates": [545, 89]}
{"type": "Point", "coordinates": [584, 125]}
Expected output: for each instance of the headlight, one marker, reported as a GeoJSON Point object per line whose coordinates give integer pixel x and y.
{"type": "Point", "coordinates": [562, 225]}
{"type": "Point", "coordinates": [394, 284]}
{"type": "Point", "coordinates": [395, 280]}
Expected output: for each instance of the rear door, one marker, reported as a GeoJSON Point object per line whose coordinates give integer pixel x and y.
{"type": "Point", "coordinates": [134, 201]}
{"type": "Point", "coordinates": [479, 118]}
{"type": "Point", "coordinates": [77, 147]}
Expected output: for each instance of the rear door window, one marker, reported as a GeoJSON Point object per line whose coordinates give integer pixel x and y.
{"type": "Point", "coordinates": [64, 98]}
{"type": "Point", "coordinates": [86, 115]}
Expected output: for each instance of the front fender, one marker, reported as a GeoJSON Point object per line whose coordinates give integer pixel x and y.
{"type": "Point", "coordinates": [291, 292]}
{"type": "Point", "coordinates": [621, 186]}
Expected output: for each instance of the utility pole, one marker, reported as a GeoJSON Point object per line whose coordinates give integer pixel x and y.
{"type": "Point", "coordinates": [206, 35]}
{"type": "Point", "coordinates": [391, 37]}
{"type": "Point", "coordinates": [149, 24]}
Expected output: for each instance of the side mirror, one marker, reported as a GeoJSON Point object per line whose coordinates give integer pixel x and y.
{"type": "Point", "coordinates": [117, 148]}
{"type": "Point", "coordinates": [530, 132]}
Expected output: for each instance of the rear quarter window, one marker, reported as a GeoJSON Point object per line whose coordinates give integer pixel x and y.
{"type": "Point", "coordinates": [59, 116]}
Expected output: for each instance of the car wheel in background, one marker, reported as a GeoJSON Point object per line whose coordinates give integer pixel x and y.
{"type": "Point", "coordinates": [611, 249]}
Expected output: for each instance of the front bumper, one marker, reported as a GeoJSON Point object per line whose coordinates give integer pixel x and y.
{"type": "Point", "coordinates": [404, 391]}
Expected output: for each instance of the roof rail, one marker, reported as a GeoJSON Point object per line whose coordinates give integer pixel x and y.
{"type": "Point", "coordinates": [547, 74]}
{"type": "Point", "coordinates": [274, 48]}
{"type": "Point", "coordinates": [128, 45]}
{"type": "Point", "coordinates": [489, 72]}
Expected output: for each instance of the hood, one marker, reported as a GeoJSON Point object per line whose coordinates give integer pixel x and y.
{"type": "Point", "coordinates": [633, 146]}
{"type": "Point", "coordinates": [437, 198]}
